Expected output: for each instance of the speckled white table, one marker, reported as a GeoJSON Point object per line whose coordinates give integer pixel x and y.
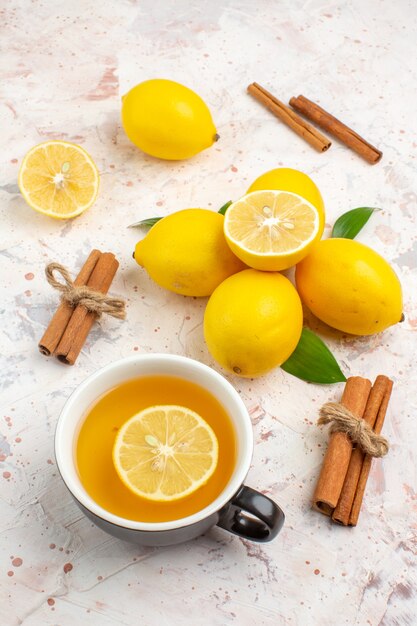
{"type": "Point", "coordinates": [64, 67]}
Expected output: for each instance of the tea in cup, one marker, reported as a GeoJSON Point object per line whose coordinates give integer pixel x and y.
{"type": "Point", "coordinates": [131, 504]}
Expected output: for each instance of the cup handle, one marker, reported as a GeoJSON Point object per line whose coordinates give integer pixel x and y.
{"type": "Point", "coordinates": [265, 520]}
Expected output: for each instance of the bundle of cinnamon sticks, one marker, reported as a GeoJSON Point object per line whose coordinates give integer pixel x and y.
{"type": "Point", "coordinates": [69, 327]}
{"type": "Point", "coordinates": [345, 470]}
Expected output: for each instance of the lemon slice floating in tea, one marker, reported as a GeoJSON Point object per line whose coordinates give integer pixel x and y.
{"type": "Point", "coordinates": [165, 452]}
{"type": "Point", "coordinates": [59, 179]}
{"type": "Point", "coordinates": [271, 230]}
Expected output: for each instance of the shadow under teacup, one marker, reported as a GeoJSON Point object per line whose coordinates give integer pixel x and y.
{"type": "Point", "coordinates": [238, 508]}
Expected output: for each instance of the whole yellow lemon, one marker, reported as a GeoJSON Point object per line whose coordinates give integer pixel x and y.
{"type": "Point", "coordinates": [350, 287]}
{"type": "Point", "coordinates": [288, 179]}
{"type": "Point", "coordinates": [253, 322]}
{"type": "Point", "coordinates": [167, 120]}
{"type": "Point", "coordinates": [186, 252]}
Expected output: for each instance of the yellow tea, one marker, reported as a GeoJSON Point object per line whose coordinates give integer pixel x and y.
{"type": "Point", "coordinates": [98, 431]}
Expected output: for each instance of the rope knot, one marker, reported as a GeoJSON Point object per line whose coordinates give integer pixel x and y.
{"type": "Point", "coordinates": [94, 301]}
{"type": "Point", "coordinates": [344, 421]}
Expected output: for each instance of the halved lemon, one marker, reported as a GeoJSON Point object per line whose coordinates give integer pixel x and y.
{"type": "Point", "coordinates": [59, 179]}
{"type": "Point", "coordinates": [165, 452]}
{"type": "Point", "coordinates": [271, 230]}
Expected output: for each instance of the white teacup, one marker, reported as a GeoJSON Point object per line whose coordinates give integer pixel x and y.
{"type": "Point", "coordinates": [228, 510]}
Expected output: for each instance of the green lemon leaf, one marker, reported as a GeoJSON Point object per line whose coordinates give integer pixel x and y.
{"type": "Point", "coordinates": [312, 361]}
{"type": "Point", "coordinates": [148, 223]}
{"type": "Point", "coordinates": [351, 223]}
{"type": "Point", "coordinates": [224, 208]}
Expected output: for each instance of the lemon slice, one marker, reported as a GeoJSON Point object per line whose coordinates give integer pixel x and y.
{"type": "Point", "coordinates": [165, 453]}
{"type": "Point", "coordinates": [271, 230]}
{"type": "Point", "coordinates": [59, 179]}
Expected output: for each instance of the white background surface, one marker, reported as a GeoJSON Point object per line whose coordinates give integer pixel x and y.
{"type": "Point", "coordinates": [64, 67]}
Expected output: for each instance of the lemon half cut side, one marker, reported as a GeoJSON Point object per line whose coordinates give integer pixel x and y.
{"type": "Point", "coordinates": [271, 230]}
{"type": "Point", "coordinates": [58, 179]}
{"type": "Point", "coordinates": [165, 453]}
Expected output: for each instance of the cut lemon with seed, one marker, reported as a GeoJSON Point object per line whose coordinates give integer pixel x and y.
{"type": "Point", "coordinates": [165, 453]}
{"type": "Point", "coordinates": [59, 179]}
{"type": "Point", "coordinates": [271, 230]}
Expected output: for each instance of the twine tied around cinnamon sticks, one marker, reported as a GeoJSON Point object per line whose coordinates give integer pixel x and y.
{"type": "Point", "coordinates": [344, 421]}
{"type": "Point", "coordinates": [344, 473]}
{"type": "Point", "coordinates": [75, 295]}
{"type": "Point", "coordinates": [82, 301]}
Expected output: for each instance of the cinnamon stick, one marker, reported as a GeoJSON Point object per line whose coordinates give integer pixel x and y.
{"type": "Point", "coordinates": [81, 320]}
{"type": "Point", "coordinates": [335, 127]}
{"type": "Point", "coordinates": [291, 119]}
{"type": "Point", "coordinates": [341, 514]}
{"type": "Point", "coordinates": [62, 316]}
{"type": "Point", "coordinates": [336, 460]}
{"type": "Point", "coordinates": [367, 461]}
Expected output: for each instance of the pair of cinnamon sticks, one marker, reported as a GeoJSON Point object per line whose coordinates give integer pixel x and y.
{"type": "Point", "coordinates": [345, 470]}
{"type": "Point", "coordinates": [69, 327]}
{"type": "Point", "coordinates": [320, 117]}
